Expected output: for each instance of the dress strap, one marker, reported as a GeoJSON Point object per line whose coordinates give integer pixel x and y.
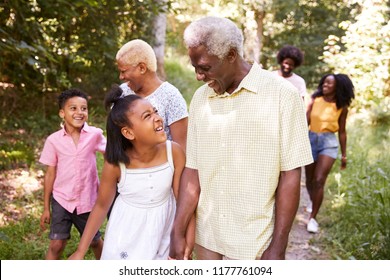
{"type": "Point", "coordinates": [122, 167]}
{"type": "Point", "coordinates": [169, 154]}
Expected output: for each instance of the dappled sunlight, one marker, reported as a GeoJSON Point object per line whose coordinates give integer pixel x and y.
{"type": "Point", "coordinates": [17, 199]}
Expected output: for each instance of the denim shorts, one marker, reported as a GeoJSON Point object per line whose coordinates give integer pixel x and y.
{"type": "Point", "coordinates": [62, 220]}
{"type": "Point", "coordinates": [323, 144]}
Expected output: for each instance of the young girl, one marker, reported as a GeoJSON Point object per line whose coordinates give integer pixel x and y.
{"type": "Point", "coordinates": [326, 115]}
{"type": "Point", "coordinates": [147, 169]}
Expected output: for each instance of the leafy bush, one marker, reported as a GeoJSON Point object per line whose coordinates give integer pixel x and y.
{"type": "Point", "coordinates": [358, 211]}
{"type": "Point", "coordinates": [181, 75]}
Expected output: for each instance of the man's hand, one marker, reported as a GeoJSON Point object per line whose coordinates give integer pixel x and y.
{"type": "Point", "coordinates": [271, 254]}
{"type": "Point", "coordinates": [178, 249]}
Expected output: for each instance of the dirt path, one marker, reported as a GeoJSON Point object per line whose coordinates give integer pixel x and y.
{"type": "Point", "coordinates": [302, 244]}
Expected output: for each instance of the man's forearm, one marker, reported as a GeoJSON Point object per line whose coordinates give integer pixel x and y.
{"type": "Point", "coordinates": [286, 206]}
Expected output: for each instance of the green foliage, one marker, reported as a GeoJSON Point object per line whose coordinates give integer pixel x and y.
{"type": "Point", "coordinates": [18, 147]}
{"type": "Point", "coordinates": [19, 154]}
{"type": "Point", "coordinates": [377, 113]}
{"type": "Point", "coordinates": [48, 46]}
{"type": "Point", "coordinates": [181, 76]}
{"type": "Point", "coordinates": [363, 53]}
{"type": "Point", "coordinates": [358, 209]}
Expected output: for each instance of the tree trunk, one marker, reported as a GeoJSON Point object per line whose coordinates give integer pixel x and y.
{"type": "Point", "coordinates": [159, 30]}
{"type": "Point", "coordinates": [259, 17]}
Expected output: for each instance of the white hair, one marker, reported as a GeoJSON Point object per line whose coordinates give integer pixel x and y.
{"type": "Point", "coordinates": [218, 35]}
{"type": "Point", "coordinates": [136, 51]}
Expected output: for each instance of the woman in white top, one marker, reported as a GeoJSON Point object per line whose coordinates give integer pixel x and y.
{"type": "Point", "coordinates": [137, 65]}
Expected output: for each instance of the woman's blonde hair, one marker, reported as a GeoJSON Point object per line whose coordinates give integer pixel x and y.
{"type": "Point", "coordinates": [136, 51]}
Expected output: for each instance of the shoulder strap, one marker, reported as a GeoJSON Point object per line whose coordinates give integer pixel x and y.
{"type": "Point", "coordinates": [169, 154]}
{"type": "Point", "coordinates": [122, 167]}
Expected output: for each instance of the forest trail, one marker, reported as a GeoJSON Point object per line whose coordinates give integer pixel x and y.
{"type": "Point", "coordinates": [302, 244]}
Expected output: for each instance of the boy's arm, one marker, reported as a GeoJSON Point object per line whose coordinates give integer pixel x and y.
{"type": "Point", "coordinates": [106, 194]}
{"type": "Point", "coordinates": [102, 142]}
{"type": "Point", "coordinates": [48, 183]}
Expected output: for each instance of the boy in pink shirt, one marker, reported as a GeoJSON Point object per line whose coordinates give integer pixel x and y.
{"type": "Point", "coordinates": [71, 178]}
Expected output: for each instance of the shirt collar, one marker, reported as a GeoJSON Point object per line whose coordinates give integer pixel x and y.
{"type": "Point", "coordinates": [246, 83]}
{"type": "Point", "coordinates": [86, 128]}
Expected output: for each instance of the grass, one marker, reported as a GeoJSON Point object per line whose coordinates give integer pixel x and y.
{"type": "Point", "coordinates": [357, 204]}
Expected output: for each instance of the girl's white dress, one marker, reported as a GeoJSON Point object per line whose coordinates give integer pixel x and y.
{"type": "Point", "coordinates": [142, 216]}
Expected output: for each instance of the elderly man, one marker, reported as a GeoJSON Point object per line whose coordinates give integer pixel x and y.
{"type": "Point", "coordinates": [247, 141]}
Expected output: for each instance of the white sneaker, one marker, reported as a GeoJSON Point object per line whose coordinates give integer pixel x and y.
{"type": "Point", "coordinates": [309, 207]}
{"type": "Point", "coordinates": [312, 226]}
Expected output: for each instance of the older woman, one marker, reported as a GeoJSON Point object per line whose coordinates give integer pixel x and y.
{"type": "Point", "coordinates": [137, 66]}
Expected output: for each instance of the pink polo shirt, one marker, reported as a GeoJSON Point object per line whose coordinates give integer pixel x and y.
{"type": "Point", "coordinates": [77, 180]}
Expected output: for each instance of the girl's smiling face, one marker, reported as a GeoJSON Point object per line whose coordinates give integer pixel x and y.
{"type": "Point", "coordinates": [146, 124]}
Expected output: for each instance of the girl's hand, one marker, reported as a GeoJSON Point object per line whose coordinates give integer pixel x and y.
{"type": "Point", "coordinates": [76, 256]}
{"type": "Point", "coordinates": [343, 163]}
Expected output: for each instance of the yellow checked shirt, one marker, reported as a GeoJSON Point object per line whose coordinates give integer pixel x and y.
{"type": "Point", "coordinates": [239, 144]}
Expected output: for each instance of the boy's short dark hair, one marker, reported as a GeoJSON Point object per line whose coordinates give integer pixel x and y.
{"type": "Point", "coordinates": [69, 93]}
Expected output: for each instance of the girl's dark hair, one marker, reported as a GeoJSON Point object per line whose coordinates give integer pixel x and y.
{"type": "Point", "coordinates": [118, 107]}
{"type": "Point", "coordinates": [344, 89]}
{"type": "Point", "coordinates": [290, 52]}
{"type": "Point", "coordinates": [69, 93]}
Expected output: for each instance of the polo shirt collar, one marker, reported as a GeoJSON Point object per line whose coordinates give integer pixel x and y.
{"type": "Point", "coordinates": [246, 83]}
